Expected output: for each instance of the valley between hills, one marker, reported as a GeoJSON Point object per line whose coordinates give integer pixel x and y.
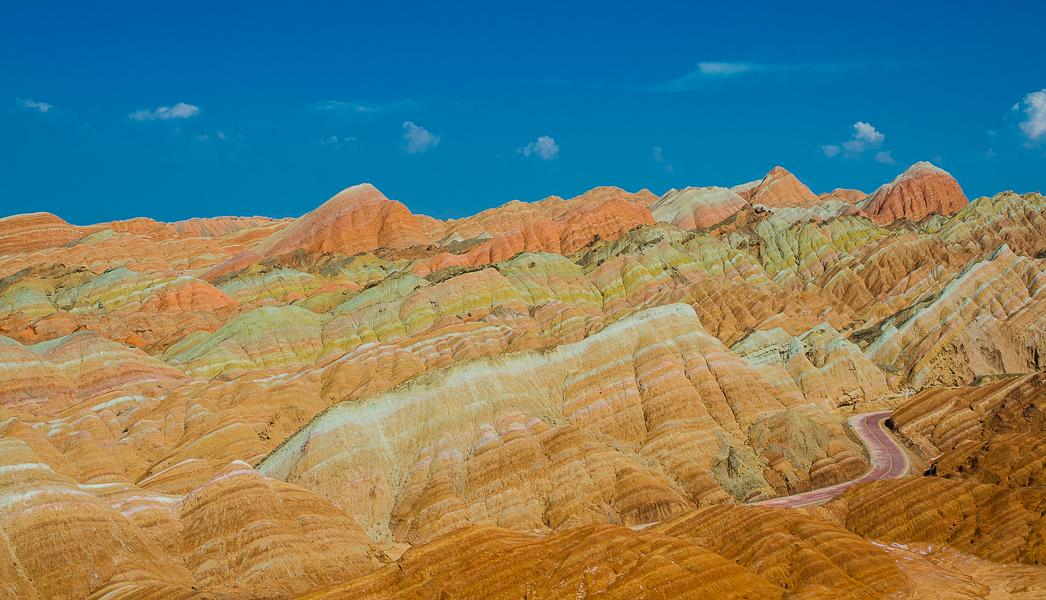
{"type": "Point", "coordinates": [720, 393]}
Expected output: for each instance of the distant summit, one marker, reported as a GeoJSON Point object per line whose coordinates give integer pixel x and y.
{"type": "Point", "coordinates": [691, 208]}
{"type": "Point", "coordinates": [920, 191]}
{"type": "Point", "coordinates": [778, 189]}
{"type": "Point", "coordinates": [844, 195]}
{"type": "Point", "coordinates": [357, 219]}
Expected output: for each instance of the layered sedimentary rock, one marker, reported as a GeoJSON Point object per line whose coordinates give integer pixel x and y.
{"type": "Point", "coordinates": [96, 365]}
{"type": "Point", "coordinates": [32, 382]}
{"type": "Point", "coordinates": [552, 225]}
{"type": "Point", "coordinates": [992, 522]}
{"type": "Point", "coordinates": [237, 535]}
{"type": "Point", "coordinates": [988, 318]}
{"type": "Point", "coordinates": [818, 212]}
{"type": "Point", "coordinates": [778, 189]}
{"type": "Point", "coordinates": [601, 561]}
{"type": "Point", "coordinates": [34, 232]}
{"type": "Point", "coordinates": [219, 226]}
{"type": "Point", "coordinates": [514, 215]}
{"type": "Point", "coordinates": [535, 378]}
{"type": "Point", "coordinates": [820, 364]}
{"type": "Point", "coordinates": [510, 431]}
{"type": "Point", "coordinates": [285, 336]}
{"type": "Point", "coordinates": [920, 191]}
{"type": "Point", "coordinates": [357, 219]}
{"type": "Point", "coordinates": [795, 551]}
{"type": "Point", "coordinates": [717, 552]}
{"type": "Point", "coordinates": [691, 208]}
{"type": "Point", "coordinates": [994, 433]}
{"type": "Point", "coordinates": [98, 252]}
{"type": "Point", "coordinates": [983, 496]}
{"type": "Point", "coordinates": [845, 195]}
{"type": "Point", "coordinates": [1007, 218]}
{"type": "Point", "coordinates": [66, 542]}
{"type": "Point", "coordinates": [245, 529]}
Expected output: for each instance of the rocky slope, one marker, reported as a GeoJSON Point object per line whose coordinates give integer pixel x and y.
{"type": "Point", "coordinates": [490, 441]}
{"type": "Point", "coordinates": [693, 208]}
{"type": "Point", "coordinates": [358, 219]}
{"type": "Point", "coordinates": [920, 191]}
{"type": "Point", "coordinates": [247, 407]}
{"type": "Point", "coordinates": [778, 189]}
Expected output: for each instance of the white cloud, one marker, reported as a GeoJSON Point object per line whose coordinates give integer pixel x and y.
{"type": "Point", "coordinates": [864, 137]}
{"type": "Point", "coordinates": [335, 141]}
{"type": "Point", "coordinates": [990, 154]}
{"type": "Point", "coordinates": [418, 138]}
{"type": "Point", "coordinates": [722, 68]}
{"type": "Point", "coordinates": [669, 168]}
{"type": "Point", "coordinates": [30, 103]}
{"type": "Point", "coordinates": [884, 157]}
{"type": "Point", "coordinates": [937, 160]}
{"type": "Point", "coordinates": [218, 136]}
{"type": "Point", "coordinates": [657, 154]}
{"type": "Point", "coordinates": [545, 148]}
{"type": "Point", "coordinates": [166, 113]}
{"type": "Point", "coordinates": [1035, 107]}
{"type": "Point", "coordinates": [866, 133]}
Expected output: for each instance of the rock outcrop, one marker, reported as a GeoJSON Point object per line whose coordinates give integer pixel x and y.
{"type": "Point", "coordinates": [427, 452]}
{"type": "Point", "coordinates": [844, 195]}
{"type": "Point", "coordinates": [693, 208]}
{"type": "Point", "coordinates": [357, 219]}
{"type": "Point", "coordinates": [778, 189]}
{"type": "Point", "coordinates": [219, 226]}
{"type": "Point", "coordinates": [920, 191]}
{"type": "Point", "coordinates": [487, 406]}
{"type": "Point", "coordinates": [34, 232]}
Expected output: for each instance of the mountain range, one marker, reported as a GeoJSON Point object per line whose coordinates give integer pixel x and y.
{"type": "Point", "coordinates": [585, 397]}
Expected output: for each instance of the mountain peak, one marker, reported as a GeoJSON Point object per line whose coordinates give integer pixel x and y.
{"type": "Point", "coordinates": [778, 188]}
{"type": "Point", "coordinates": [357, 219]}
{"type": "Point", "coordinates": [921, 190]}
{"type": "Point", "coordinates": [691, 207]}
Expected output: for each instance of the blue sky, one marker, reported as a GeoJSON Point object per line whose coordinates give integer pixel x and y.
{"type": "Point", "coordinates": [173, 110]}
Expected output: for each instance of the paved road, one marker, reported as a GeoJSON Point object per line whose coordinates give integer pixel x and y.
{"type": "Point", "coordinates": [889, 461]}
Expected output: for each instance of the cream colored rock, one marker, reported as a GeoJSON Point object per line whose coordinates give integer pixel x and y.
{"type": "Point", "coordinates": [820, 364]}
{"type": "Point", "coordinates": [529, 441]}
{"type": "Point", "coordinates": [692, 208]}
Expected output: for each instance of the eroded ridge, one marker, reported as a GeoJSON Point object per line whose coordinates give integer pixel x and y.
{"type": "Point", "coordinates": [367, 402]}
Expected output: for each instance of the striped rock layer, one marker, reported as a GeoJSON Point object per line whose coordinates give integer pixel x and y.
{"type": "Point", "coordinates": [693, 208]}
{"type": "Point", "coordinates": [251, 407]}
{"type": "Point", "coordinates": [488, 441]}
{"type": "Point", "coordinates": [920, 191]}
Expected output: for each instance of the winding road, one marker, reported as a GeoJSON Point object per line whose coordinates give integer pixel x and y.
{"type": "Point", "coordinates": [889, 461]}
